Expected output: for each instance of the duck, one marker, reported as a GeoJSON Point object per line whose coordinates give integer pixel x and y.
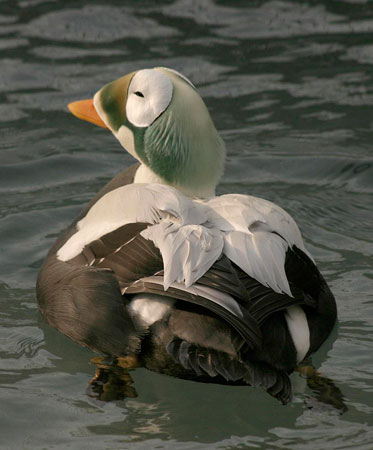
{"type": "Point", "coordinates": [216, 289]}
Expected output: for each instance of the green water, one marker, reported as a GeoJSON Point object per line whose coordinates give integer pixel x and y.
{"type": "Point", "coordinates": [290, 87]}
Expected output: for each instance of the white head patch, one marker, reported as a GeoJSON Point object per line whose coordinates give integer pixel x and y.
{"type": "Point", "coordinates": [149, 94]}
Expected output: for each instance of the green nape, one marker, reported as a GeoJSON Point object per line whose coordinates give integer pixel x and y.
{"type": "Point", "coordinates": [113, 100]}
{"type": "Point", "coordinates": [182, 145]}
{"type": "Point", "coordinates": [166, 150]}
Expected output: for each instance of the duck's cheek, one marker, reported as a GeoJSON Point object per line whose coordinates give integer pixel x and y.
{"type": "Point", "coordinates": [126, 138]}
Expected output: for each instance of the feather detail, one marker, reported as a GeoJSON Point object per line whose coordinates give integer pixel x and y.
{"type": "Point", "coordinates": [257, 234]}
{"type": "Point", "coordinates": [148, 203]}
{"type": "Point", "coordinates": [261, 255]}
{"type": "Point", "coordinates": [191, 234]}
{"type": "Point", "coordinates": [242, 212]}
{"type": "Point", "coordinates": [188, 251]}
{"type": "Point", "coordinates": [220, 298]}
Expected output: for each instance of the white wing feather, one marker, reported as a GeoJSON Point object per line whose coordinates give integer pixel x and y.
{"type": "Point", "coordinates": [149, 203]}
{"type": "Point", "coordinates": [261, 255]}
{"type": "Point", "coordinates": [238, 212]}
{"type": "Point", "coordinates": [188, 251]}
{"type": "Point", "coordinates": [257, 234]}
{"type": "Point", "coordinates": [191, 235]}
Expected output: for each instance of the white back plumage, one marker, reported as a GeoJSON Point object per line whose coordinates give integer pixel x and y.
{"type": "Point", "coordinates": [191, 235]}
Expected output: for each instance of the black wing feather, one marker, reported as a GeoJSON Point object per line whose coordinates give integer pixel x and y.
{"type": "Point", "coordinates": [247, 326]}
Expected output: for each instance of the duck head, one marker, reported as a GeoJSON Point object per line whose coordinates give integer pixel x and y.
{"type": "Point", "coordinates": [159, 118]}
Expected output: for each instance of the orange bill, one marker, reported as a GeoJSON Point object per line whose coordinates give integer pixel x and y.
{"type": "Point", "coordinates": [85, 110]}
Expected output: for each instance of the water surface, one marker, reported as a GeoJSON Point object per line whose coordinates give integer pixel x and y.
{"type": "Point", "coordinates": [290, 87]}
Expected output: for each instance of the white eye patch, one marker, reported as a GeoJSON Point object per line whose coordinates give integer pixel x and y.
{"type": "Point", "coordinates": [149, 94]}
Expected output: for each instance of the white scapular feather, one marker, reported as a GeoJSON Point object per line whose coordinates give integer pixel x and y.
{"type": "Point", "coordinates": [261, 255]}
{"type": "Point", "coordinates": [191, 234]}
{"type": "Point", "coordinates": [149, 203]}
{"type": "Point", "coordinates": [238, 212]}
{"type": "Point", "coordinates": [188, 251]}
{"type": "Point", "coordinates": [257, 234]}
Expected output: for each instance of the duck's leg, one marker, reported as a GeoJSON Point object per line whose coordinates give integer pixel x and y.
{"type": "Point", "coordinates": [307, 370]}
{"type": "Point", "coordinates": [324, 388]}
{"type": "Point", "coordinates": [128, 362]}
{"type": "Point", "coordinates": [111, 381]}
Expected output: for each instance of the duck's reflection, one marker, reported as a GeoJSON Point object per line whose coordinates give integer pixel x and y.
{"type": "Point", "coordinates": [112, 381]}
{"type": "Point", "coordinates": [326, 392]}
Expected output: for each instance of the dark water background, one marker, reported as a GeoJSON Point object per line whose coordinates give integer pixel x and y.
{"type": "Point", "coordinates": [290, 86]}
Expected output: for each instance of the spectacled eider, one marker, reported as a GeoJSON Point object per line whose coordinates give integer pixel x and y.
{"type": "Point", "coordinates": [201, 287]}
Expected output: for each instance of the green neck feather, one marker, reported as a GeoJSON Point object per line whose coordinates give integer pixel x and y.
{"type": "Point", "coordinates": [182, 146]}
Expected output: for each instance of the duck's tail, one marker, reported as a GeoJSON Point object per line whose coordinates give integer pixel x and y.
{"type": "Point", "coordinates": [204, 361]}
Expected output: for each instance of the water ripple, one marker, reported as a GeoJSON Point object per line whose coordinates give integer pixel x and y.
{"type": "Point", "coordinates": [85, 25]}
{"type": "Point", "coordinates": [289, 86]}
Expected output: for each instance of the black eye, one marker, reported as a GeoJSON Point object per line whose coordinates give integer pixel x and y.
{"type": "Point", "coordinates": [139, 94]}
